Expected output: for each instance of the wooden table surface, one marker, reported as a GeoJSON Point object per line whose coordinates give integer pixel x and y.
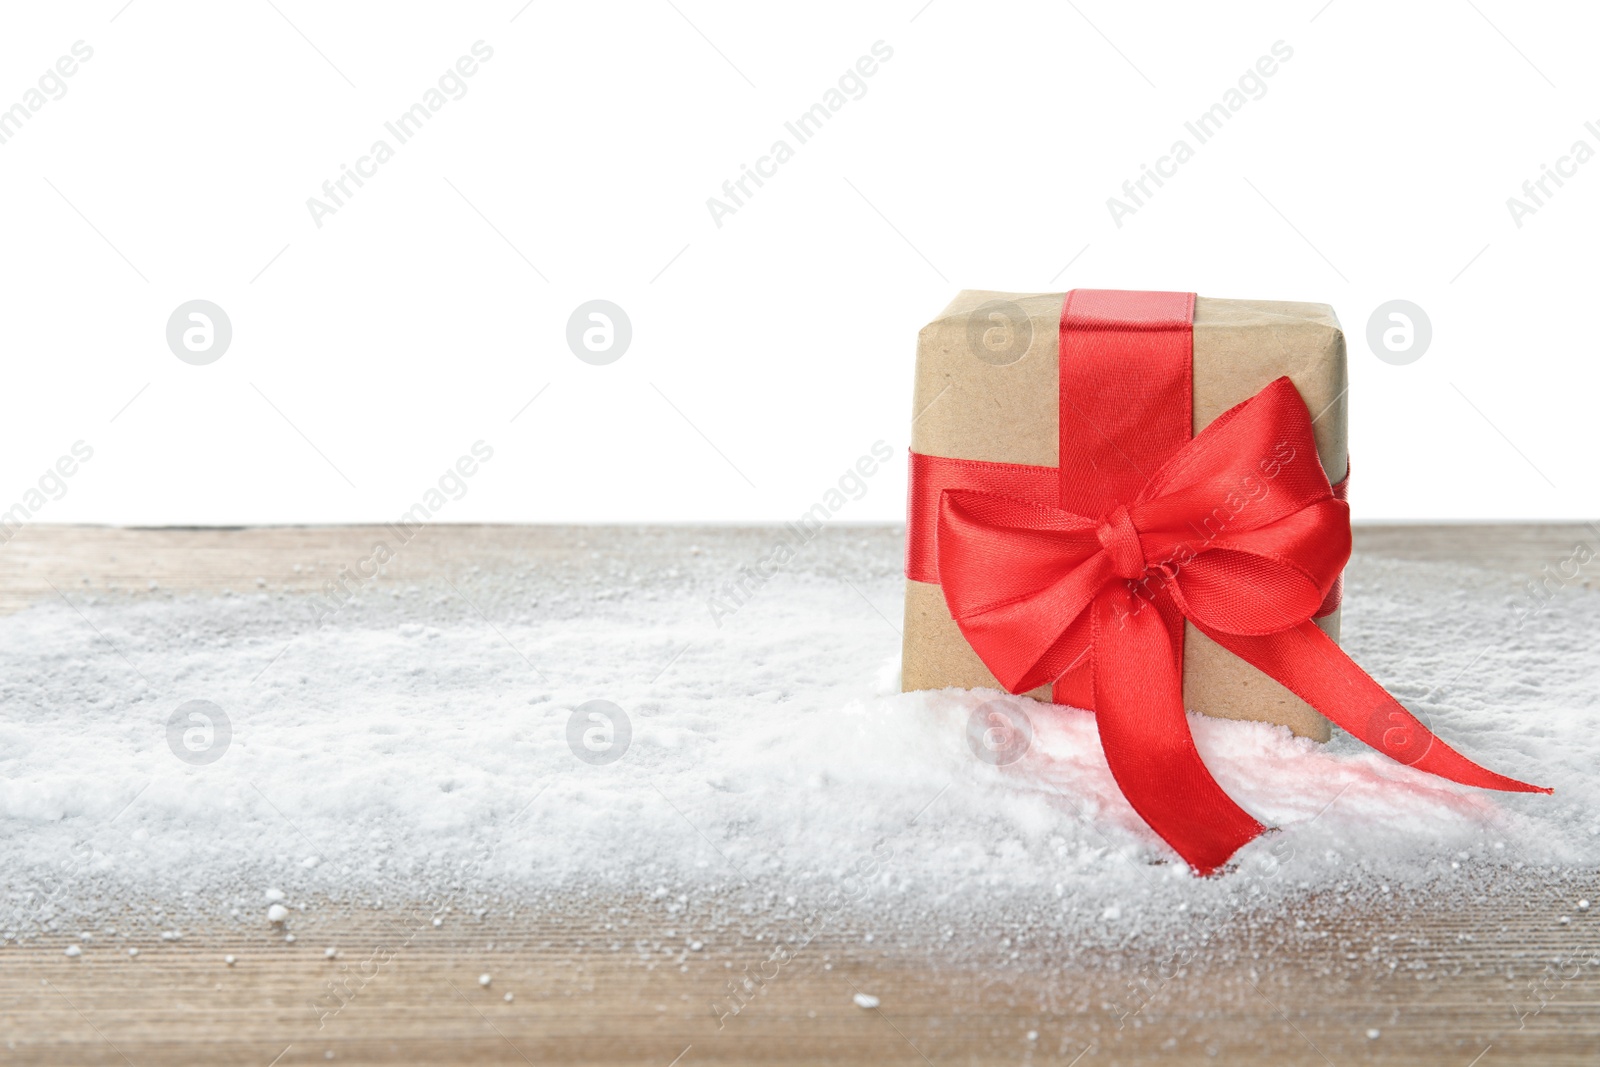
{"type": "Point", "coordinates": [1495, 982]}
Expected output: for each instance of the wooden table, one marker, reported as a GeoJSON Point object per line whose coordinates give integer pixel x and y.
{"type": "Point", "coordinates": [1497, 982]}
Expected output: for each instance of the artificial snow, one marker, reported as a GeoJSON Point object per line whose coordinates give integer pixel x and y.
{"type": "Point", "coordinates": [439, 742]}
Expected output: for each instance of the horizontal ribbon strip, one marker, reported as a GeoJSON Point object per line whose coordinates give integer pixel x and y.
{"type": "Point", "coordinates": [1082, 576]}
{"type": "Point", "coordinates": [932, 475]}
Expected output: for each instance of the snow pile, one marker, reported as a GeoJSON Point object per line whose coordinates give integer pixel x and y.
{"type": "Point", "coordinates": [546, 733]}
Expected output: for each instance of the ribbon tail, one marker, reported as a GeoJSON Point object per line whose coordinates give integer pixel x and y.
{"type": "Point", "coordinates": [1312, 666]}
{"type": "Point", "coordinates": [1138, 703]}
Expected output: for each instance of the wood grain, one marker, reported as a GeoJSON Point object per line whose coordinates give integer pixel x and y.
{"type": "Point", "coordinates": [610, 981]}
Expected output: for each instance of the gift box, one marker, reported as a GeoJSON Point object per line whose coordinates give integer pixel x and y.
{"type": "Point", "coordinates": [986, 389]}
{"type": "Point", "coordinates": [1133, 503]}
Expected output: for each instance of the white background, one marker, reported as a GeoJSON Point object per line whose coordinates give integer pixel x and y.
{"type": "Point", "coordinates": [375, 350]}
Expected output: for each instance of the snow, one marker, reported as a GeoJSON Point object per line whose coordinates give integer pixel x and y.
{"type": "Point", "coordinates": [425, 745]}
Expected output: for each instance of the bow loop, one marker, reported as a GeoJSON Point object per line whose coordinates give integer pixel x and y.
{"type": "Point", "coordinates": [1239, 533]}
{"type": "Point", "coordinates": [1270, 579]}
{"type": "Point", "coordinates": [1245, 542]}
{"type": "Point", "coordinates": [1024, 576]}
{"type": "Point", "coordinates": [1254, 466]}
{"type": "Point", "coordinates": [1236, 531]}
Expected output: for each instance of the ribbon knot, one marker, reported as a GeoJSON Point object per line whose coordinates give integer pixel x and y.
{"type": "Point", "coordinates": [1259, 540]}
{"type": "Point", "coordinates": [1120, 539]}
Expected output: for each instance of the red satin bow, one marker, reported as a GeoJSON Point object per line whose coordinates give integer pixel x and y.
{"type": "Point", "coordinates": [1239, 532]}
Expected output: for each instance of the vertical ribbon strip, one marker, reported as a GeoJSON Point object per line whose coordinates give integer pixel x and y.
{"type": "Point", "coordinates": [1085, 581]}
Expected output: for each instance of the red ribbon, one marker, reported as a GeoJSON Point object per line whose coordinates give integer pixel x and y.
{"type": "Point", "coordinates": [1082, 575]}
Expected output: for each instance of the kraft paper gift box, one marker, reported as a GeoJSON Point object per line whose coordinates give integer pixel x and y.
{"type": "Point", "coordinates": [986, 389]}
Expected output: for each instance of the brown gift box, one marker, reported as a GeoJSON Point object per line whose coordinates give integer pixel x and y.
{"type": "Point", "coordinates": [986, 384]}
